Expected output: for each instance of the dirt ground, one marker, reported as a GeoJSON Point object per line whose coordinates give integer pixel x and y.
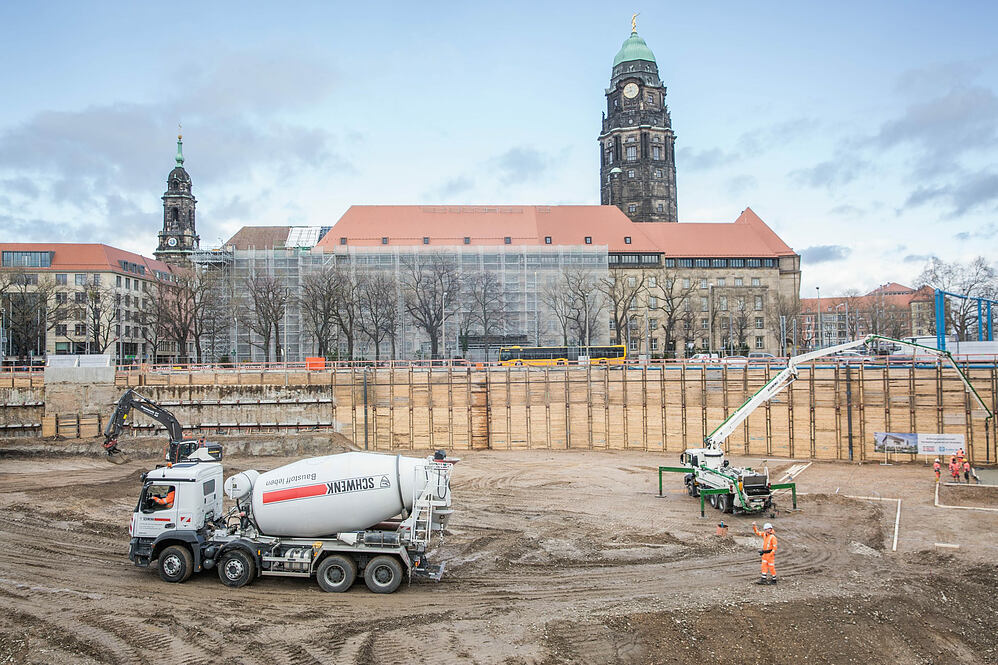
{"type": "Point", "coordinates": [552, 557]}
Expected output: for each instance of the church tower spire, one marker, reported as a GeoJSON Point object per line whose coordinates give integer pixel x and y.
{"type": "Point", "coordinates": [637, 144]}
{"type": "Point", "coordinates": [179, 236]}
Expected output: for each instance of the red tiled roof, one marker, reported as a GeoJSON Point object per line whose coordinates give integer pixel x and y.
{"type": "Point", "coordinates": [88, 257]}
{"type": "Point", "coordinates": [259, 237]}
{"type": "Point", "coordinates": [365, 226]}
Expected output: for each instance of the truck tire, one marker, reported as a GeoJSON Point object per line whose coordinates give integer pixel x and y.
{"type": "Point", "coordinates": [712, 499]}
{"type": "Point", "coordinates": [383, 574]}
{"type": "Point", "coordinates": [724, 503]}
{"type": "Point", "coordinates": [336, 573]}
{"type": "Point", "coordinates": [236, 568]}
{"type": "Point", "coordinates": [175, 564]}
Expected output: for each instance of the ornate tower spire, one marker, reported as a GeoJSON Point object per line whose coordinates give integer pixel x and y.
{"type": "Point", "coordinates": [637, 144]}
{"type": "Point", "coordinates": [179, 235]}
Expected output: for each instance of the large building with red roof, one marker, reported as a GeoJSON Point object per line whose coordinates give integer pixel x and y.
{"type": "Point", "coordinates": [891, 310]}
{"type": "Point", "coordinates": [97, 300]}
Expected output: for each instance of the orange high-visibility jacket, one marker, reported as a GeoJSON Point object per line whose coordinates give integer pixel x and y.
{"type": "Point", "coordinates": [168, 501]}
{"type": "Point", "coordinates": [768, 543]}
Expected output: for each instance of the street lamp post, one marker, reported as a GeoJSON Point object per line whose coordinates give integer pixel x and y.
{"type": "Point", "coordinates": [818, 289]}
{"type": "Point", "coordinates": [443, 326]}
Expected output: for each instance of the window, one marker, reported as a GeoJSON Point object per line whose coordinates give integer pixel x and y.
{"type": "Point", "coordinates": [660, 208]}
{"type": "Point", "coordinates": [158, 497]}
{"type": "Point", "coordinates": [81, 280]}
{"type": "Point", "coordinates": [630, 173]}
{"type": "Point", "coordinates": [654, 343]}
{"type": "Point", "coordinates": [652, 282]}
{"type": "Point", "coordinates": [627, 240]}
{"type": "Point", "coordinates": [547, 240]}
{"type": "Point", "coordinates": [718, 263]}
{"type": "Point", "coordinates": [737, 263]}
{"type": "Point", "coordinates": [652, 302]}
{"type": "Point", "coordinates": [633, 344]}
{"type": "Point", "coordinates": [79, 329]}
{"type": "Point", "coordinates": [384, 240]}
{"type": "Point", "coordinates": [61, 298]}
{"type": "Point", "coordinates": [670, 263]}
{"type": "Point", "coordinates": [722, 303]}
{"type": "Point", "coordinates": [769, 263]}
{"type": "Point", "coordinates": [704, 305]}
{"type": "Point", "coordinates": [649, 98]}
{"type": "Point", "coordinates": [703, 324]}
{"type": "Point", "coordinates": [686, 282]}
{"type": "Point", "coordinates": [632, 281]}
{"type": "Point", "coordinates": [80, 297]}
{"type": "Point", "coordinates": [60, 329]}
{"type": "Point", "coordinates": [467, 240]}
{"type": "Point", "coordinates": [632, 208]}
{"type": "Point", "coordinates": [758, 323]}
{"type": "Point", "coordinates": [26, 259]}
{"type": "Point", "coordinates": [128, 283]}
{"type": "Point", "coordinates": [685, 263]}
{"type": "Point", "coordinates": [117, 280]}
{"type": "Point", "coordinates": [704, 283]}
{"type": "Point", "coordinates": [652, 324]}
{"type": "Point", "coordinates": [656, 152]}
{"type": "Point", "coordinates": [25, 278]}
{"type": "Point", "coordinates": [739, 281]}
{"type": "Point", "coordinates": [507, 240]}
{"type": "Point", "coordinates": [759, 343]}
{"type": "Point", "coordinates": [426, 240]}
{"type": "Point", "coordinates": [758, 303]}
{"type": "Point", "coordinates": [756, 281]}
{"type": "Point", "coordinates": [209, 487]}
{"type": "Point", "coordinates": [753, 263]}
{"type": "Point", "coordinates": [658, 173]}
{"type": "Point", "coordinates": [589, 240]}
{"type": "Point", "coordinates": [720, 281]}
{"type": "Point", "coordinates": [343, 241]}
{"type": "Point", "coordinates": [632, 153]}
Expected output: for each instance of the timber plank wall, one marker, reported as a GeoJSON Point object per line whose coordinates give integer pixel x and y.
{"type": "Point", "coordinates": [645, 408]}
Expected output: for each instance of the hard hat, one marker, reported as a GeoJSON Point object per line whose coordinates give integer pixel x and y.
{"type": "Point", "coordinates": [766, 526]}
{"type": "Point", "coordinates": [937, 459]}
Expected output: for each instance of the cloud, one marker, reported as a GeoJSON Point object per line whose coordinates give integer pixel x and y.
{"type": "Point", "coordinates": [986, 232]}
{"type": "Point", "coordinates": [741, 183]}
{"type": "Point", "coordinates": [918, 258]}
{"type": "Point", "coordinates": [824, 253]}
{"type": "Point", "coordinates": [831, 173]}
{"type": "Point", "coordinates": [519, 165]}
{"type": "Point", "coordinates": [454, 187]}
{"type": "Point", "coordinates": [970, 192]}
{"type": "Point", "coordinates": [692, 160]}
{"type": "Point", "coordinates": [846, 210]}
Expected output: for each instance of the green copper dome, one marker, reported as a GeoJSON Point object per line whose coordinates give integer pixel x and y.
{"type": "Point", "coordinates": [633, 48]}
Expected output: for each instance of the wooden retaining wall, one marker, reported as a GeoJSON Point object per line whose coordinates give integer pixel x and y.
{"type": "Point", "coordinates": [644, 408]}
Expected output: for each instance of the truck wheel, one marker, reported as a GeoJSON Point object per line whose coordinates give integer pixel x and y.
{"type": "Point", "coordinates": [383, 574]}
{"type": "Point", "coordinates": [236, 568]}
{"type": "Point", "coordinates": [712, 499]}
{"type": "Point", "coordinates": [724, 503]}
{"type": "Point", "coordinates": [336, 573]}
{"type": "Point", "coordinates": [175, 564]}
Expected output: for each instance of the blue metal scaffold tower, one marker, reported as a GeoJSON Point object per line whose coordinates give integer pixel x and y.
{"type": "Point", "coordinates": [985, 323]}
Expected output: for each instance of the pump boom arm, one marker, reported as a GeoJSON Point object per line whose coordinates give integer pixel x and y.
{"type": "Point", "coordinates": [789, 375]}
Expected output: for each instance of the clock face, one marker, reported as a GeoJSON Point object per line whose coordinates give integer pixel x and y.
{"type": "Point", "coordinates": [631, 90]}
{"type": "Point", "coordinates": [172, 242]}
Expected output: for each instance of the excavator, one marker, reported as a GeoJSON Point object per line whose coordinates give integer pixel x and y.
{"type": "Point", "coordinates": [178, 449]}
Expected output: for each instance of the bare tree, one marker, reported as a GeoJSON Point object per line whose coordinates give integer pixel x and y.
{"type": "Point", "coordinates": [152, 315]}
{"type": "Point", "coordinates": [430, 285]}
{"type": "Point", "coordinates": [588, 302]}
{"type": "Point", "coordinates": [783, 312]}
{"type": "Point", "coordinates": [622, 289]}
{"type": "Point", "coordinates": [555, 295]}
{"type": "Point", "coordinates": [487, 305]}
{"type": "Point", "coordinates": [379, 316]}
{"type": "Point", "coordinates": [975, 279]}
{"type": "Point", "coordinates": [318, 301]}
{"type": "Point", "coordinates": [33, 304]}
{"type": "Point", "coordinates": [347, 314]}
{"type": "Point", "coordinates": [668, 296]}
{"type": "Point", "coordinates": [265, 304]}
{"type": "Point", "coordinates": [98, 309]}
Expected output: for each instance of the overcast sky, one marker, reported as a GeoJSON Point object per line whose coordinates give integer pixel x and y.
{"type": "Point", "coordinates": [865, 134]}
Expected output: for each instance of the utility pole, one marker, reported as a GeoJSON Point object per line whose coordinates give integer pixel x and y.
{"type": "Point", "coordinates": [818, 289]}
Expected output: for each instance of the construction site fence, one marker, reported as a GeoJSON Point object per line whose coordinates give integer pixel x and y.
{"type": "Point", "coordinates": [831, 412]}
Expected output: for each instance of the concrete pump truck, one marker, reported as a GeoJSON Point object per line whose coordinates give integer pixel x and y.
{"type": "Point", "coordinates": [708, 475]}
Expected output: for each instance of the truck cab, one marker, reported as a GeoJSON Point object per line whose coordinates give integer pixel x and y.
{"type": "Point", "coordinates": [175, 504]}
{"type": "Point", "coordinates": [712, 458]}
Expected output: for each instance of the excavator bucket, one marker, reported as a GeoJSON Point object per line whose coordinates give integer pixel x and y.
{"type": "Point", "coordinates": [116, 457]}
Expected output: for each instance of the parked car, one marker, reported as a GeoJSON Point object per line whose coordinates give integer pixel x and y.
{"type": "Point", "coordinates": [703, 358]}
{"type": "Point", "coordinates": [735, 360]}
{"type": "Point", "coordinates": [761, 355]}
{"type": "Point", "coordinates": [853, 357]}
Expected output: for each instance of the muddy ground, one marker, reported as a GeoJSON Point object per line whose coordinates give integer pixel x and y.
{"type": "Point", "coordinates": [552, 557]}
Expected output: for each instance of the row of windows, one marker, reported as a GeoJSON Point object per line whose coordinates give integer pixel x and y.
{"type": "Point", "coordinates": [634, 343]}
{"type": "Point", "coordinates": [720, 263]}
{"type": "Point", "coordinates": [80, 329]}
{"type": "Point", "coordinates": [13, 259]}
{"type": "Point", "coordinates": [134, 268]}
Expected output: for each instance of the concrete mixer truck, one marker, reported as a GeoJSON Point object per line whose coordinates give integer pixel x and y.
{"type": "Point", "coordinates": [336, 518]}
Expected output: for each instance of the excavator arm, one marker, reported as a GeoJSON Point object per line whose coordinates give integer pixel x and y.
{"type": "Point", "coordinates": [789, 375]}
{"type": "Point", "coordinates": [122, 411]}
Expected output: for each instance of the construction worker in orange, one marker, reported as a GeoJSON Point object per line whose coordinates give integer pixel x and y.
{"type": "Point", "coordinates": [768, 552]}
{"type": "Point", "coordinates": [966, 471]}
{"type": "Point", "coordinates": [164, 500]}
{"type": "Point", "coordinates": [954, 469]}
{"type": "Point", "coordinates": [937, 467]}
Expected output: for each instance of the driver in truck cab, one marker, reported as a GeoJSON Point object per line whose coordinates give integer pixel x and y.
{"type": "Point", "coordinates": [161, 496]}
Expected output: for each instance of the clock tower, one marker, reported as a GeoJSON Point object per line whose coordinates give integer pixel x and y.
{"type": "Point", "coordinates": [637, 144]}
{"type": "Point", "coordinates": [178, 238]}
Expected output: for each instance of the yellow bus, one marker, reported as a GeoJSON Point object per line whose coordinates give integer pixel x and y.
{"type": "Point", "coordinates": [562, 355]}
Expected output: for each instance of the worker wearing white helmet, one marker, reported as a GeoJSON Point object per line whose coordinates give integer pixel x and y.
{"type": "Point", "coordinates": [937, 466]}
{"type": "Point", "coordinates": [768, 553]}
